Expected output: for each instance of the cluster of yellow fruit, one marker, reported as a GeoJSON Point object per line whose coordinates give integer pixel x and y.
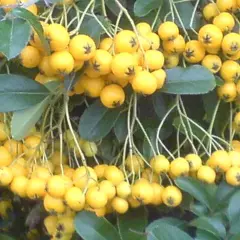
{"type": "Point", "coordinates": [221, 41]}
{"type": "Point", "coordinates": [191, 165]}
{"type": "Point", "coordinates": [128, 57]}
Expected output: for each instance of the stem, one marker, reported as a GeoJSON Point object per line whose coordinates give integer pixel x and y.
{"type": "Point", "coordinates": [50, 13]}
{"type": "Point", "coordinates": [203, 130]}
{"type": "Point", "coordinates": [180, 20]}
{"type": "Point", "coordinates": [99, 22]}
{"type": "Point", "coordinates": [104, 8]}
{"type": "Point", "coordinates": [201, 143]}
{"type": "Point", "coordinates": [160, 126]}
{"type": "Point", "coordinates": [117, 22]}
{"type": "Point", "coordinates": [193, 15]}
{"type": "Point", "coordinates": [222, 140]}
{"type": "Point", "coordinates": [72, 131]}
{"type": "Point", "coordinates": [183, 124]}
{"type": "Point", "coordinates": [65, 16]}
{"type": "Point", "coordinates": [184, 111]}
{"type": "Point", "coordinates": [178, 133]}
{"type": "Point", "coordinates": [82, 17]}
{"type": "Point", "coordinates": [129, 126]}
{"type": "Point", "coordinates": [180, 146]}
{"type": "Point", "coordinates": [212, 124]}
{"type": "Point", "coordinates": [165, 148]}
{"type": "Point", "coordinates": [156, 17]}
{"type": "Point", "coordinates": [124, 157]}
{"type": "Point", "coordinates": [172, 12]}
{"type": "Point", "coordinates": [145, 134]}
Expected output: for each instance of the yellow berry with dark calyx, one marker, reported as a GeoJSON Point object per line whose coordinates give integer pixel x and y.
{"type": "Point", "coordinates": [171, 196]}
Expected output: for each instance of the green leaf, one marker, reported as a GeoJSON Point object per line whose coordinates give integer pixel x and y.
{"type": "Point", "coordinates": [234, 225]}
{"type": "Point", "coordinates": [142, 7]}
{"type": "Point", "coordinates": [194, 188]}
{"type": "Point", "coordinates": [168, 220]}
{"type": "Point", "coordinates": [219, 81]}
{"type": "Point", "coordinates": [210, 224]}
{"type": "Point", "coordinates": [233, 210]}
{"type": "Point", "coordinates": [114, 8]}
{"type": "Point", "coordinates": [15, 34]}
{"type": "Point", "coordinates": [107, 149]}
{"type": "Point", "coordinates": [235, 237]}
{"type": "Point", "coordinates": [93, 29]}
{"type": "Point", "coordinates": [5, 237]}
{"type": "Point", "coordinates": [165, 231]}
{"type": "Point", "coordinates": [91, 227]}
{"type": "Point", "coordinates": [204, 235]}
{"type": "Point", "coordinates": [97, 121]}
{"type": "Point", "coordinates": [132, 224]}
{"type": "Point", "coordinates": [18, 92]}
{"type": "Point", "coordinates": [159, 104]}
{"type": "Point", "coordinates": [24, 120]}
{"type": "Point", "coordinates": [224, 192]}
{"type": "Point", "coordinates": [33, 21]}
{"type": "Point", "coordinates": [210, 101]}
{"type": "Point", "coordinates": [198, 209]}
{"type": "Point", "coordinates": [120, 127]}
{"type": "Point", "coordinates": [52, 85]}
{"type": "Point", "coordinates": [195, 79]}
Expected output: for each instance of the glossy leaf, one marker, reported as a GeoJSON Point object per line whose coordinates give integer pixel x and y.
{"type": "Point", "coordinates": [107, 149]}
{"type": "Point", "coordinates": [19, 92]}
{"type": "Point", "coordinates": [97, 121]}
{"type": "Point", "coordinates": [195, 79]}
{"type": "Point", "coordinates": [224, 192]}
{"type": "Point", "coordinates": [194, 188]}
{"type": "Point", "coordinates": [132, 224]}
{"type": "Point", "coordinates": [204, 235]}
{"type": "Point", "coordinates": [24, 120]}
{"type": "Point", "coordinates": [159, 104]}
{"type": "Point", "coordinates": [234, 225]}
{"type": "Point", "coordinates": [52, 86]}
{"type": "Point", "coordinates": [198, 209]}
{"type": "Point", "coordinates": [120, 127]}
{"type": "Point", "coordinates": [210, 224]}
{"type": "Point", "coordinates": [142, 7]}
{"type": "Point", "coordinates": [209, 102]}
{"type": "Point", "coordinates": [33, 21]}
{"type": "Point", "coordinates": [165, 231]}
{"type": "Point", "coordinates": [15, 34]}
{"type": "Point", "coordinates": [168, 220]}
{"type": "Point", "coordinates": [91, 227]}
{"type": "Point", "coordinates": [233, 210]}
